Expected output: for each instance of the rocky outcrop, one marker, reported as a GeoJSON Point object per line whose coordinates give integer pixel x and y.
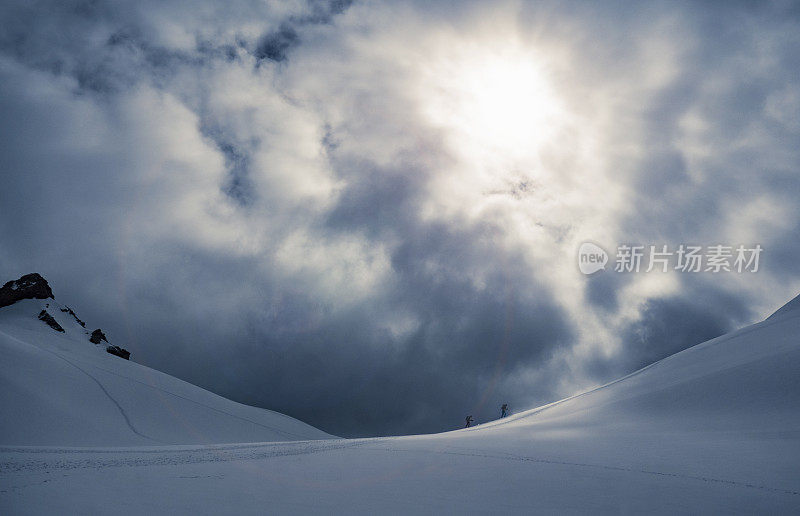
{"type": "Point", "coordinates": [97, 336]}
{"type": "Point", "coordinates": [69, 311]}
{"type": "Point", "coordinates": [120, 352]}
{"type": "Point", "coordinates": [34, 286]}
{"type": "Point", "coordinates": [47, 318]}
{"type": "Point", "coordinates": [30, 286]}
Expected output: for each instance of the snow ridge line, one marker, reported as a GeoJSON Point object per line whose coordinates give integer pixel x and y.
{"type": "Point", "coordinates": [711, 342]}
{"type": "Point", "coordinates": [531, 412]}
{"type": "Point", "coordinates": [522, 458]}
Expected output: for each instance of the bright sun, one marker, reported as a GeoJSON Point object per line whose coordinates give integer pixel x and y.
{"type": "Point", "coordinates": [492, 103]}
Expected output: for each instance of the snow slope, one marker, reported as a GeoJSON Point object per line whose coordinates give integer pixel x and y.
{"type": "Point", "coordinates": [60, 389]}
{"type": "Point", "coordinates": [713, 429]}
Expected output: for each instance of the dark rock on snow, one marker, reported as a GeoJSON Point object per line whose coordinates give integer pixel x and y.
{"type": "Point", "coordinates": [69, 311]}
{"type": "Point", "coordinates": [97, 336]}
{"type": "Point", "coordinates": [120, 352]}
{"type": "Point", "coordinates": [30, 286]}
{"type": "Point", "coordinates": [47, 318]}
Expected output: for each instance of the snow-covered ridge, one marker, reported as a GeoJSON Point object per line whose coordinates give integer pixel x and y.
{"type": "Point", "coordinates": [791, 306]}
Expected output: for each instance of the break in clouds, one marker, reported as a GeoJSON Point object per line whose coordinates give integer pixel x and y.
{"type": "Point", "coordinates": [366, 215]}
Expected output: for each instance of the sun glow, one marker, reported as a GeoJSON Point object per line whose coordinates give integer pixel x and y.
{"type": "Point", "coordinates": [498, 103]}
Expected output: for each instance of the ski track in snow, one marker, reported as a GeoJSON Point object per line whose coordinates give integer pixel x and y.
{"type": "Point", "coordinates": [125, 414]}
{"type": "Point", "coordinates": [273, 429]}
{"type": "Point", "coordinates": [108, 395]}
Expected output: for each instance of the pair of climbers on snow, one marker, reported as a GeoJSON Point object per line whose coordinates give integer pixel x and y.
{"type": "Point", "coordinates": [503, 413]}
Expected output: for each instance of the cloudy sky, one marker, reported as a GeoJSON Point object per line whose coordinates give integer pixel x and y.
{"type": "Point", "coordinates": [367, 214]}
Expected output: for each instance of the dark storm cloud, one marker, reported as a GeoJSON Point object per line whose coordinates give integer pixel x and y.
{"type": "Point", "coordinates": [602, 290]}
{"type": "Point", "coordinates": [670, 325]}
{"type": "Point", "coordinates": [460, 353]}
{"type": "Point", "coordinates": [247, 197]}
{"type": "Point", "coordinates": [275, 45]}
{"type": "Point", "coordinates": [237, 185]}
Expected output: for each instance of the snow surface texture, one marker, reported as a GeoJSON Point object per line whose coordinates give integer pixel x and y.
{"type": "Point", "coordinates": [60, 389]}
{"type": "Point", "coordinates": [713, 429]}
